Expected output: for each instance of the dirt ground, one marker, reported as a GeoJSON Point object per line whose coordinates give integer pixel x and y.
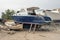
{"type": "Point", "coordinates": [25, 35]}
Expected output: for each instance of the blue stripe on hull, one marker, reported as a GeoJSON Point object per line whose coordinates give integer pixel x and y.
{"type": "Point", "coordinates": [31, 19]}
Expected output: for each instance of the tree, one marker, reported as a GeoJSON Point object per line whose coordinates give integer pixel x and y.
{"type": "Point", "coordinates": [7, 14]}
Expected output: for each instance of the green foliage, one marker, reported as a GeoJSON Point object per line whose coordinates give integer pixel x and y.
{"type": "Point", "coordinates": [7, 14]}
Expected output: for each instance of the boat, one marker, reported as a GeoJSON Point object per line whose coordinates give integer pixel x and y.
{"type": "Point", "coordinates": [53, 14]}
{"type": "Point", "coordinates": [28, 17]}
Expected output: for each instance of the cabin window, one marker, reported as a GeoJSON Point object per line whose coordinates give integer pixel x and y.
{"type": "Point", "coordinates": [32, 13]}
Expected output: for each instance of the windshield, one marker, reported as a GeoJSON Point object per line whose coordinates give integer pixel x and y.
{"type": "Point", "coordinates": [40, 12]}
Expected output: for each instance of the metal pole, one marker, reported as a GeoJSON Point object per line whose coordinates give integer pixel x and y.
{"type": "Point", "coordinates": [34, 28]}
{"type": "Point", "coordinates": [30, 28]}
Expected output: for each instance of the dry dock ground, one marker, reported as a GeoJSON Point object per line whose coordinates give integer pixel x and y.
{"type": "Point", "coordinates": [25, 35]}
{"type": "Point", "coordinates": [31, 36]}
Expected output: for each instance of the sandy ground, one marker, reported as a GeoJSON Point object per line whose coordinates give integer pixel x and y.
{"type": "Point", "coordinates": [25, 35]}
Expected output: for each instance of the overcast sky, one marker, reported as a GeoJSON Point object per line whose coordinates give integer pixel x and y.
{"type": "Point", "coordinates": [17, 4]}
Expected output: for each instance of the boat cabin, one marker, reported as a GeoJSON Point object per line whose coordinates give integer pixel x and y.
{"type": "Point", "coordinates": [26, 12]}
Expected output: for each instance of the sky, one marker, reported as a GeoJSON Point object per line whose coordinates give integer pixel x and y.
{"type": "Point", "coordinates": [18, 4]}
